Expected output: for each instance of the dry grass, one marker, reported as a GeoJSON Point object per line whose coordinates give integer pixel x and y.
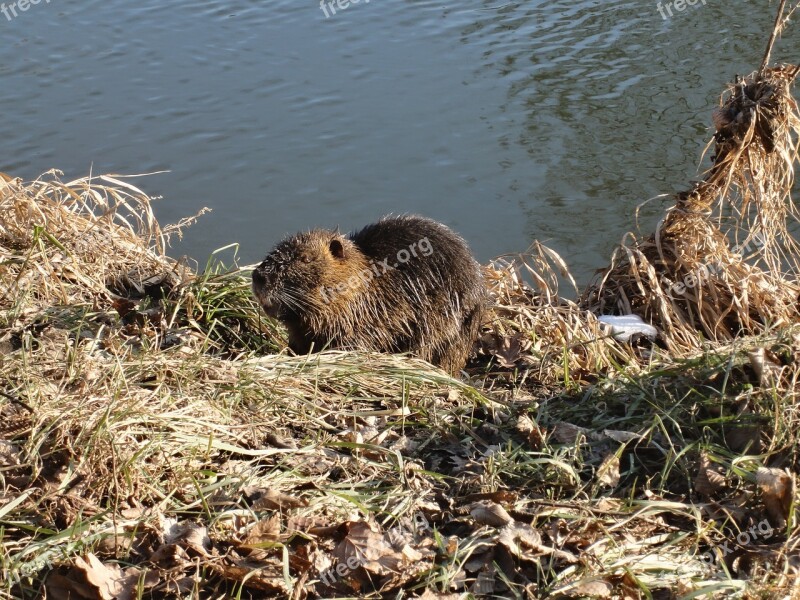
{"type": "Point", "coordinates": [154, 445]}
{"type": "Point", "coordinates": [537, 335]}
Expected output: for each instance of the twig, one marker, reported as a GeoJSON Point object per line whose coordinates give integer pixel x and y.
{"type": "Point", "coordinates": [791, 12]}
{"type": "Point", "coordinates": [16, 400]}
{"type": "Point", "coordinates": [775, 31]}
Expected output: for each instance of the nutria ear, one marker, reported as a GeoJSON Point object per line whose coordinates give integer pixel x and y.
{"type": "Point", "coordinates": [337, 248]}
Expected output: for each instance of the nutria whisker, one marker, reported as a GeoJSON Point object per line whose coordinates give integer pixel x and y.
{"type": "Point", "coordinates": [295, 300]}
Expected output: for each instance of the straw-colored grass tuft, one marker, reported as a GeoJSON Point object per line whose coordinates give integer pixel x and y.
{"type": "Point", "coordinates": [91, 252]}
{"type": "Point", "coordinates": [104, 231]}
{"type": "Point", "coordinates": [538, 336]}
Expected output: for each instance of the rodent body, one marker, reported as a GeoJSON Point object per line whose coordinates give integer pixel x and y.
{"type": "Point", "coordinates": [403, 284]}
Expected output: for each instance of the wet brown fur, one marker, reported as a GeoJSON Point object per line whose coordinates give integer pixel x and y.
{"type": "Point", "coordinates": [319, 285]}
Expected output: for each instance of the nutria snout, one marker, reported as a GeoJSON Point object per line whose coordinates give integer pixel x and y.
{"type": "Point", "coordinates": [403, 284]}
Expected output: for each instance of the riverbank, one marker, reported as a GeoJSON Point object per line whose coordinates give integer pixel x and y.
{"type": "Point", "coordinates": [156, 440]}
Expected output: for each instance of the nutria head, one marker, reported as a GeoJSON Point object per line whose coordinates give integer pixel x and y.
{"type": "Point", "coordinates": [294, 282]}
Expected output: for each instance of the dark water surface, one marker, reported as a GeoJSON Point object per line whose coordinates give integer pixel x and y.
{"type": "Point", "coordinates": [506, 120]}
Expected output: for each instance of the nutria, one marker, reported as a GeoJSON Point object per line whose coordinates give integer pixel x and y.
{"type": "Point", "coordinates": [403, 284]}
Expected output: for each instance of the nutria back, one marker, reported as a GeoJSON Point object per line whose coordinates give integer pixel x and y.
{"type": "Point", "coordinates": [403, 284]}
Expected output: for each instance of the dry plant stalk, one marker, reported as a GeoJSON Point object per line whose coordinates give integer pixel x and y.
{"type": "Point", "coordinates": [722, 261]}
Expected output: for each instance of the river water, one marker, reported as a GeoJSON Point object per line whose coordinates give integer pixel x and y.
{"type": "Point", "coordinates": [509, 121]}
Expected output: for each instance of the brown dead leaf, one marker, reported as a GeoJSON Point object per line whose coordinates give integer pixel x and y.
{"type": "Point", "coordinates": [352, 436]}
{"type": "Point", "coordinates": [263, 533]}
{"type": "Point", "coordinates": [777, 488]}
{"type": "Point", "coordinates": [508, 350]}
{"type": "Point", "coordinates": [525, 424]}
{"type": "Point", "coordinates": [182, 586]}
{"type": "Point", "coordinates": [61, 587]}
{"type": "Point", "coordinates": [708, 480]}
{"type": "Point", "coordinates": [523, 541]}
{"type": "Point", "coordinates": [312, 525]}
{"type": "Point", "coordinates": [363, 544]}
{"type": "Point", "coordinates": [622, 437]}
{"type": "Point", "coordinates": [590, 589]}
{"type": "Point", "coordinates": [744, 438]}
{"type": "Point", "coordinates": [318, 560]}
{"type": "Point", "coordinates": [567, 433]}
{"type": "Point", "coordinates": [609, 504]}
{"type": "Point", "coordinates": [429, 595]}
{"type": "Point", "coordinates": [132, 513]}
{"type": "Point", "coordinates": [267, 499]}
{"type": "Point", "coordinates": [123, 306]}
{"type": "Point", "coordinates": [366, 558]}
{"type": "Point", "coordinates": [452, 545]}
{"type": "Point", "coordinates": [489, 513]}
{"type": "Point", "coordinates": [608, 471]}
{"type": "Point", "coordinates": [532, 432]}
{"type": "Point", "coordinates": [273, 439]}
{"type": "Point", "coordinates": [65, 510]}
{"type": "Point", "coordinates": [766, 366]}
{"type": "Point", "coordinates": [188, 535]}
{"type": "Point", "coordinates": [262, 575]}
{"type": "Point", "coordinates": [485, 583]}
{"type": "Point", "coordinates": [512, 538]}
{"type": "Point", "coordinates": [170, 556]}
{"type": "Point", "coordinates": [9, 454]}
{"type": "Point", "coordinates": [117, 543]}
{"type": "Point", "coordinates": [91, 579]}
{"type": "Point", "coordinates": [479, 559]}
{"type": "Point", "coordinates": [404, 445]}
{"type": "Point", "coordinates": [504, 496]}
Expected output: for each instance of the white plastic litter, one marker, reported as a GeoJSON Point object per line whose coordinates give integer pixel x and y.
{"type": "Point", "coordinates": [624, 326]}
